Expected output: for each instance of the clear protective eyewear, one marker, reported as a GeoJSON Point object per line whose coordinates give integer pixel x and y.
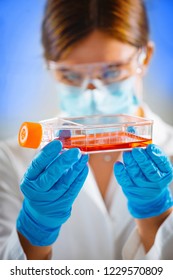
{"type": "Point", "coordinates": [76, 75]}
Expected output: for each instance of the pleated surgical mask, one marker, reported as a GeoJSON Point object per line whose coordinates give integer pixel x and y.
{"type": "Point", "coordinates": [114, 98]}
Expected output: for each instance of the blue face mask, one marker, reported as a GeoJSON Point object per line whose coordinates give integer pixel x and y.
{"type": "Point", "coordinates": [115, 98]}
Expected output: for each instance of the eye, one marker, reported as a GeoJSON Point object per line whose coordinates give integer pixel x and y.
{"type": "Point", "coordinates": [113, 73]}
{"type": "Point", "coordinates": [68, 76]}
{"type": "Point", "coordinates": [72, 76]}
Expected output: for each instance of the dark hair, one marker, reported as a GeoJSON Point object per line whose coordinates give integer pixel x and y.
{"type": "Point", "coordinates": [67, 21]}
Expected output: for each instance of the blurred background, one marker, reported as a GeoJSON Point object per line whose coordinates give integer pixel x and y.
{"type": "Point", "coordinates": [27, 91]}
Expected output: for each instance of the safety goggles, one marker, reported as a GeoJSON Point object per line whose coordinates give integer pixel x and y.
{"type": "Point", "coordinates": [108, 73]}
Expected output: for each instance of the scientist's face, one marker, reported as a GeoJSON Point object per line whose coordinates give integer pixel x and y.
{"type": "Point", "coordinates": [99, 75]}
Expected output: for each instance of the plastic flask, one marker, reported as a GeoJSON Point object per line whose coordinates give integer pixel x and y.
{"type": "Point", "coordinates": [90, 133]}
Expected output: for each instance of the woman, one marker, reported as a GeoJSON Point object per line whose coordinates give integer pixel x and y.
{"type": "Point", "coordinates": [98, 52]}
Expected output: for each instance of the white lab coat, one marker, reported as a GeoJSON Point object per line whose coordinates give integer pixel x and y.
{"type": "Point", "coordinates": [96, 229]}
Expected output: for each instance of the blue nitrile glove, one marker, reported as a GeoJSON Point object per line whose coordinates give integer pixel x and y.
{"type": "Point", "coordinates": [145, 177]}
{"type": "Point", "coordinates": [50, 186]}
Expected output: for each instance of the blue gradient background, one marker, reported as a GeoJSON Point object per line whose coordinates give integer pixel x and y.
{"type": "Point", "coordinates": [26, 89]}
{"type": "Point", "coordinates": [158, 87]}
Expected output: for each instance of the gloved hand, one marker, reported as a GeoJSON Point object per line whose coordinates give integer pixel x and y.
{"type": "Point", "coordinates": [145, 177]}
{"type": "Point", "coordinates": [50, 186]}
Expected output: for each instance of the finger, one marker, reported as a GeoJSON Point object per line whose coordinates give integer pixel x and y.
{"type": "Point", "coordinates": [121, 175]}
{"type": "Point", "coordinates": [57, 168]}
{"type": "Point", "coordinates": [131, 188]}
{"type": "Point", "coordinates": [43, 159]}
{"type": "Point", "coordinates": [159, 158]}
{"type": "Point", "coordinates": [76, 186]}
{"type": "Point", "coordinates": [64, 183]}
{"type": "Point", "coordinates": [131, 129]}
{"type": "Point", "coordinates": [68, 178]}
{"type": "Point", "coordinates": [147, 166]}
{"type": "Point", "coordinates": [59, 188]}
{"type": "Point", "coordinates": [133, 169]}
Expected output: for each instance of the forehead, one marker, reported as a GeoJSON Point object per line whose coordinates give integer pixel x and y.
{"type": "Point", "coordinates": [98, 47]}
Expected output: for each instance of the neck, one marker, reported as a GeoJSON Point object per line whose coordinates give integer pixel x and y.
{"type": "Point", "coordinates": [102, 167]}
{"type": "Point", "coordinates": [140, 112]}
